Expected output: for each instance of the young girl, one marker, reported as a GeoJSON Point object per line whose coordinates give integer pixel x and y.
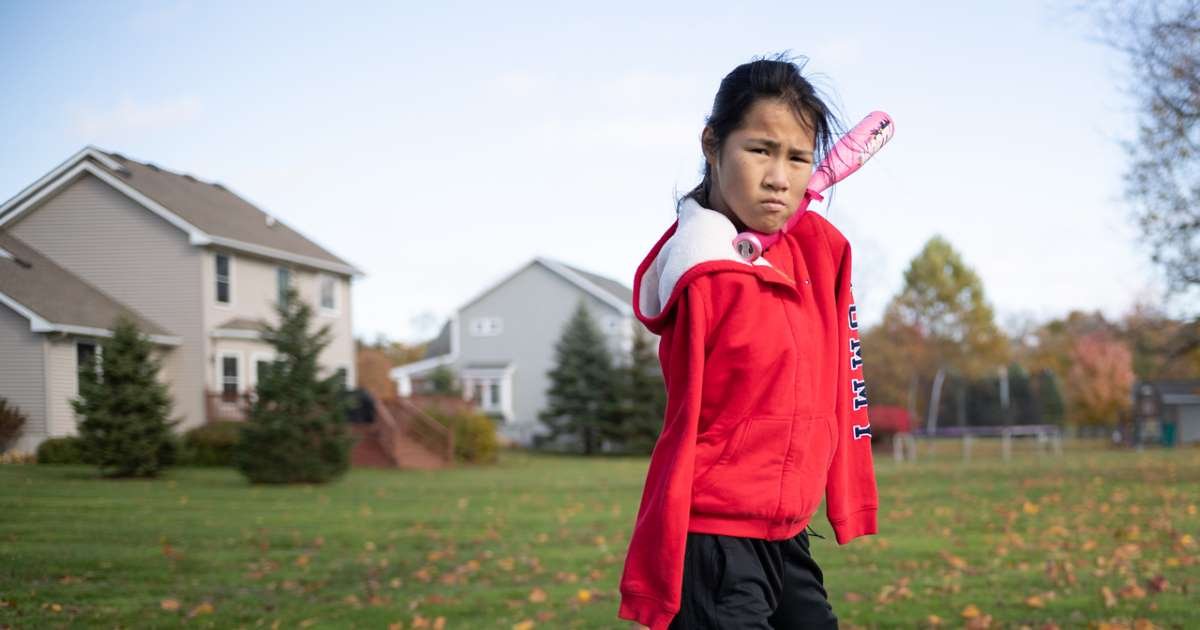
{"type": "Point", "coordinates": [766, 402]}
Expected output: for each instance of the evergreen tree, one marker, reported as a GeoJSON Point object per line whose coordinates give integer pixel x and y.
{"type": "Point", "coordinates": [581, 400]}
{"type": "Point", "coordinates": [125, 430]}
{"type": "Point", "coordinates": [442, 382]}
{"type": "Point", "coordinates": [1050, 398]}
{"type": "Point", "coordinates": [296, 430]}
{"type": "Point", "coordinates": [642, 395]}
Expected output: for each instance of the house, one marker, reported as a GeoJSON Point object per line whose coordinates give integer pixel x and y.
{"type": "Point", "coordinates": [197, 266]}
{"type": "Point", "coordinates": [1166, 411]}
{"type": "Point", "coordinates": [500, 344]}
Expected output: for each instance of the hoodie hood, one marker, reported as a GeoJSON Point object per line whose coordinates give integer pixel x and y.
{"type": "Point", "coordinates": [700, 241]}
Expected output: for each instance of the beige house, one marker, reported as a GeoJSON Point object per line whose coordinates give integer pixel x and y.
{"type": "Point", "coordinates": [196, 265]}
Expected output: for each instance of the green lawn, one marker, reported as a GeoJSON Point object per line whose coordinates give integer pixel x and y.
{"type": "Point", "coordinates": [538, 541]}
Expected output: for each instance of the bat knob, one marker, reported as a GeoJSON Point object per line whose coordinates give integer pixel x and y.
{"type": "Point", "coordinates": [748, 247]}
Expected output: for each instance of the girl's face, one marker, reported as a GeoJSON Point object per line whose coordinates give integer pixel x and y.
{"type": "Point", "coordinates": [760, 173]}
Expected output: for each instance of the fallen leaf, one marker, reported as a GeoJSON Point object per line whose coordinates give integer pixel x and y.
{"type": "Point", "coordinates": [523, 625]}
{"type": "Point", "coordinates": [203, 609]}
{"type": "Point", "coordinates": [970, 612]}
{"type": "Point", "coordinates": [584, 595]}
{"type": "Point", "coordinates": [1035, 601]}
{"type": "Point", "coordinates": [537, 595]}
{"type": "Point", "coordinates": [170, 605]}
{"type": "Point", "coordinates": [1110, 600]}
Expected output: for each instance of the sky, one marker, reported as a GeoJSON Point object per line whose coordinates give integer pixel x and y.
{"type": "Point", "coordinates": [440, 146]}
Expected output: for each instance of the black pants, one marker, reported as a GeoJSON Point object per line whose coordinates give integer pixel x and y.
{"type": "Point", "coordinates": [731, 583]}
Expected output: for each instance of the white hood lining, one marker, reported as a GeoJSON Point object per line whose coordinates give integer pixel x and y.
{"type": "Point", "coordinates": [703, 235]}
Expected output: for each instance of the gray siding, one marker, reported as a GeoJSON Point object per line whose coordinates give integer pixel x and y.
{"type": "Point", "coordinates": [62, 384]}
{"type": "Point", "coordinates": [533, 305]}
{"type": "Point", "coordinates": [137, 258]}
{"type": "Point", "coordinates": [22, 375]}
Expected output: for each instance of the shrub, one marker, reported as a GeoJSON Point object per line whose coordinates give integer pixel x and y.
{"type": "Point", "coordinates": [212, 444]}
{"type": "Point", "coordinates": [61, 450]}
{"type": "Point", "coordinates": [11, 422]}
{"type": "Point", "coordinates": [475, 438]}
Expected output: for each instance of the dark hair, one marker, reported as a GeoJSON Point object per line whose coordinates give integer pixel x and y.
{"type": "Point", "coordinates": [779, 78]}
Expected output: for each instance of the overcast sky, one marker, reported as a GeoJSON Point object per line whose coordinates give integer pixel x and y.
{"type": "Point", "coordinates": [439, 146]}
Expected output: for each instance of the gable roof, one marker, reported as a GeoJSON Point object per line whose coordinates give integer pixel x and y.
{"type": "Point", "coordinates": [209, 212]}
{"type": "Point", "coordinates": [55, 300]}
{"type": "Point", "coordinates": [607, 290]}
{"type": "Point", "coordinates": [442, 347]}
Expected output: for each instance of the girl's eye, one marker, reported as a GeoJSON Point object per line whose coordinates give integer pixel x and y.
{"type": "Point", "coordinates": [759, 150]}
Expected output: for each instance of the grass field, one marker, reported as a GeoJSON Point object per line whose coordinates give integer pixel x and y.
{"type": "Point", "coordinates": [1094, 537]}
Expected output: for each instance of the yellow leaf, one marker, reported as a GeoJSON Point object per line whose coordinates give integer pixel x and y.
{"type": "Point", "coordinates": [537, 595]}
{"type": "Point", "coordinates": [1034, 601]}
{"type": "Point", "coordinates": [1030, 508]}
{"type": "Point", "coordinates": [584, 595]}
{"type": "Point", "coordinates": [970, 612]}
{"type": "Point", "coordinates": [1110, 600]}
{"type": "Point", "coordinates": [399, 625]}
{"type": "Point", "coordinates": [524, 625]}
{"type": "Point", "coordinates": [203, 609]}
{"type": "Point", "coordinates": [170, 605]}
{"type": "Point", "coordinates": [302, 561]}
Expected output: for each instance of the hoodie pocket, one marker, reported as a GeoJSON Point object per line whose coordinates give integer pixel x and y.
{"type": "Point", "coordinates": [745, 479]}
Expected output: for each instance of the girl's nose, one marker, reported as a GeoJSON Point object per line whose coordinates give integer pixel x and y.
{"type": "Point", "coordinates": [776, 176]}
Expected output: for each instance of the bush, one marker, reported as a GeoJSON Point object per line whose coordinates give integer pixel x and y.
{"type": "Point", "coordinates": [212, 444]}
{"type": "Point", "coordinates": [11, 422]}
{"type": "Point", "coordinates": [475, 438]}
{"type": "Point", "coordinates": [61, 450]}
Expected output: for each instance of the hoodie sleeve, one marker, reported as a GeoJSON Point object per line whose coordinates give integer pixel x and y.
{"type": "Point", "coordinates": [652, 580]}
{"type": "Point", "coordinates": [851, 498]}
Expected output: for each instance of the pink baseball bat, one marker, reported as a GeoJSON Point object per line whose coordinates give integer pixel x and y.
{"type": "Point", "coordinates": [848, 155]}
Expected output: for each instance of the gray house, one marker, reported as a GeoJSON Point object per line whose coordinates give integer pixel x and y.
{"type": "Point", "coordinates": [500, 344]}
{"type": "Point", "coordinates": [197, 266]}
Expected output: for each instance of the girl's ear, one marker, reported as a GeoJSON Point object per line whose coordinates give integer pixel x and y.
{"type": "Point", "coordinates": [708, 144]}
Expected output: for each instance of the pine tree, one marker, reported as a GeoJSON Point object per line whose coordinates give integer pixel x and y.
{"type": "Point", "coordinates": [581, 400]}
{"type": "Point", "coordinates": [1050, 398]}
{"type": "Point", "coordinates": [125, 429]}
{"type": "Point", "coordinates": [296, 430]}
{"type": "Point", "coordinates": [643, 395]}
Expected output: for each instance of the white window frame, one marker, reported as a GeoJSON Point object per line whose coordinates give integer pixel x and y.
{"type": "Point", "coordinates": [485, 379]}
{"type": "Point", "coordinates": [99, 355]}
{"type": "Point", "coordinates": [486, 326]}
{"type": "Point", "coordinates": [322, 278]}
{"type": "Point", "coordinates": [291, 280]}
{"type": "Point", "coordinates": [255, 357]}
{"type": "Point", "coordinates": [217, 280]}
{"type": "Point", "coordinates": [241, 371]}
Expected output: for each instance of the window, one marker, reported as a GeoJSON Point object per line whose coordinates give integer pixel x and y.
{"type": "Point", "coordinates": [85, 358]}
{"type": "Point", "coordinates": [328, 293]}
{"type": "Point", "coordinates": [487, 392]}
{"type": "Point", "coordinates": [486, 326]}
{"type": "Point", "coordinates": [231, 382]}
{"type": "Point", "coordinates": [223, 286]}
{"type": "Point", "coordinates": [283, 280]}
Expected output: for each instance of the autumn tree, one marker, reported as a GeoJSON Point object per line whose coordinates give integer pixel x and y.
{"type": "Point", "coordinates": [1100, 379]}
{"type": "Point", "coordinates": [940, 321]}
{"type": "Point", "coordinates": [1161, 40]}
{"type": "Point", "coordinates": [373, 370]}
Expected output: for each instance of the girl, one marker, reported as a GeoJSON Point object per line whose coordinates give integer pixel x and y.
{"type": "Point", "coordinates": [766, 402]}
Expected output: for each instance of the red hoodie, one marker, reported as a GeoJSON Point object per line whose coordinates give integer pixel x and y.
{"type": "Point", "coordinates": [766, 402]}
